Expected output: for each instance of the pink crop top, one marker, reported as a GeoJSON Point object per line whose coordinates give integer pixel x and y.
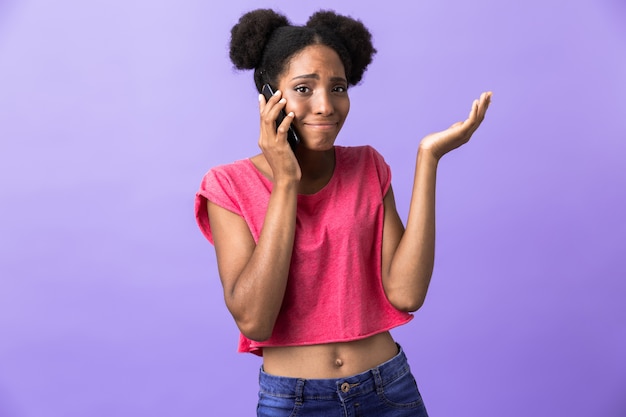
{"type": "Point", "coordinates": [334, 292]}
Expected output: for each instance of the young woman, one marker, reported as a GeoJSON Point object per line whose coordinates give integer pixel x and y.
{"type": "Point", "coordinates": [314, 260]}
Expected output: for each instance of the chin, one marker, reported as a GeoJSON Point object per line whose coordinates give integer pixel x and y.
{"type": "Point", "coordinates": [319, 143]}
{"type": "Point", "coordinates": [318, 146]}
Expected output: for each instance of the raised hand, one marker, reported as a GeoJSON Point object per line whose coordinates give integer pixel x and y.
{"type": "Point", "coordinates": [273, 139]}
{"type": "Point", "coordinates": [440, 143]}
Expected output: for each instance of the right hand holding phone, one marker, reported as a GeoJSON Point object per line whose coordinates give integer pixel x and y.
{"type": "Point", "coordinates": [273, 139]}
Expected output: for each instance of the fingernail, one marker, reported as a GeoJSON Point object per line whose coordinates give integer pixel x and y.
{"type": "Point", "coordinates": [277, 92]}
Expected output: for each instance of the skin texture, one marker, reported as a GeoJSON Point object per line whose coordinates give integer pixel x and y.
{"type": "Point", "coordinates": [313, 91]}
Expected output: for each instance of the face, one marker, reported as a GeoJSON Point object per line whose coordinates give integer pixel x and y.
{"type": "Point", "coordinates": [315, 87]}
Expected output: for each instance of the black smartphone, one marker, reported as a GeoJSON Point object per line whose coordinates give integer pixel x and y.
{"type": "Point", "coordinates": [292, 138]}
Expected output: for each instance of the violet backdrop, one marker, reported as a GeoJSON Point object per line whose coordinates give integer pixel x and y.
{"type": "Point", "coordinates": [111, 112]}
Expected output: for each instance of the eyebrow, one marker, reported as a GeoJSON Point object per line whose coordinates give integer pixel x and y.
{"type": "Point", "coordinates": [317, 77]}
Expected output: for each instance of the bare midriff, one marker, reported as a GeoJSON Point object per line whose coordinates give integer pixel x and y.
{"type": "Point", "coordinates": [332, 360]}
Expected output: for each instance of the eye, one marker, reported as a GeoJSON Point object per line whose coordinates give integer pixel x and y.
{"type": "Point", "coordinates": [340, 89]}
{"type": "Point", "coordinates": [302, 89]}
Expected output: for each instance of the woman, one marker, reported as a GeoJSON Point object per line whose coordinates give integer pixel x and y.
{"type": "Point", "coordinates": [314, 260]}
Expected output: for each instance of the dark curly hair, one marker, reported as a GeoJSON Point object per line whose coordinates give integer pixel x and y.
{"type": "Point", "coordinates": [265, 41]}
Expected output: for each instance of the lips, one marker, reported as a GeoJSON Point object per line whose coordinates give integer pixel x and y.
{"type": "Point", "coordinates": [321, 125]}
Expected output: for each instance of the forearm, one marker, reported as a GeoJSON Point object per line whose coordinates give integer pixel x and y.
{"type": "Point", "coordinates": [412, 264]}
{"type": "Point", "coordinates": [407, 275]}
{"type": "Point", "coordinates": [257, 295]}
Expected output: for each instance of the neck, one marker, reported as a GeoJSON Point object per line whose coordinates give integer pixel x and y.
{"type": "Point", "coordinates": [317, 168]}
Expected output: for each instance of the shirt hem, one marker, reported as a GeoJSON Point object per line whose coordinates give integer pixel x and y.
{"type": "Point", "coordinates": [257, 347]}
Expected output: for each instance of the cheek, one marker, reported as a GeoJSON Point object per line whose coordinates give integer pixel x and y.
{"type": "Point", "coordinates": [345, 107]}
{"type": "Point", "coordinates": [296, 106]}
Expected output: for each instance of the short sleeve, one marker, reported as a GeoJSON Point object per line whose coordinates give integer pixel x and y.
{"type": "Point", "coordinates": [217, 188]}
{"type": "Point", "coordinates": [382, 169]}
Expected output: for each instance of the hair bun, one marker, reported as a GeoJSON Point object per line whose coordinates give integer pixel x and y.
{"type": "Point", "coordinates": [353, 34]}
{"type": "Point", "coordinates": [250, 35]}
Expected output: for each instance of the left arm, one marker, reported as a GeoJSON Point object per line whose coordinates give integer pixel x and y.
{"type": "Point", "coordinates": [408, 256]}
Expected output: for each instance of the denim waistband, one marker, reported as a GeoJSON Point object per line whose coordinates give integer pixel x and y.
{"type": "Point", "coordinates": [368, 381]}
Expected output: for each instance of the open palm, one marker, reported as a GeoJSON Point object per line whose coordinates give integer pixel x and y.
{"type": "Point", "coordinates": [440, 143]}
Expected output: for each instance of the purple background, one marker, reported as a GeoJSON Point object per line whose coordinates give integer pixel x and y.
{"type": "Point", "coordinates": [111, 112]}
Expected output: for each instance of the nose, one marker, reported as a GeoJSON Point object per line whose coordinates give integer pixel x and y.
{"type": "Point", "coordinates": [323, 103]}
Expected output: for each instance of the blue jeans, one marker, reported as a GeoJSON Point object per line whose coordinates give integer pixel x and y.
{"type": "Point", "coordinates": [387, 390]}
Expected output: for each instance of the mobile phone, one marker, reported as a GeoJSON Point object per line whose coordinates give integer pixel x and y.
{"type": "Point", "coordinates": [292, 138]}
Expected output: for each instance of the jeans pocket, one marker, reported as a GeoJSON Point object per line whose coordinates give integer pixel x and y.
{"type": "Point", "coordinates": [275, 406]}
{"type": "Point", "coordinates": [402, 393]}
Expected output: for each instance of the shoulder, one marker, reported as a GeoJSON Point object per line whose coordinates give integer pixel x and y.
{"type": "Point", "coordinates": [359, 153]}
{"type": "Point", "coordinates": [237, 187]}
{"type": "Point", "coordinates": [365, 162]}
{"type": "Point", "coordinates": [230, 185]}
{"type": "Point", "coordinates": [360, 157]}
{"type": "Point", "coordinates": [363, 151]}
{"type": "Point", "coordinates": [232, 168]}
{"type": "Point", "coordinates": [227, 176]}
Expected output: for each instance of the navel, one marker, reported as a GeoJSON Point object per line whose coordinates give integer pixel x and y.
{"type": "Point", "coordinates": [338, 363]}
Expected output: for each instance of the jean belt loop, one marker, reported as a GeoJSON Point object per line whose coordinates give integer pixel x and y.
{"type": "Point", "coordinates": [299, 391]}
{"type": "Point", "coordinates": [377, 380]}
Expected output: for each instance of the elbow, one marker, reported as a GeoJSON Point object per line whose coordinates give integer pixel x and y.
{"type": "Point", "coordinates": [257, 335]}
{"type": "Point", "coordinates": [409, 306]}
{"type": "Point", "coordinates": [255, 329]}
{"type": "Point", "coordinates": [406, 302]}
{"type": "Point", "coordinates": [251, 321]}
